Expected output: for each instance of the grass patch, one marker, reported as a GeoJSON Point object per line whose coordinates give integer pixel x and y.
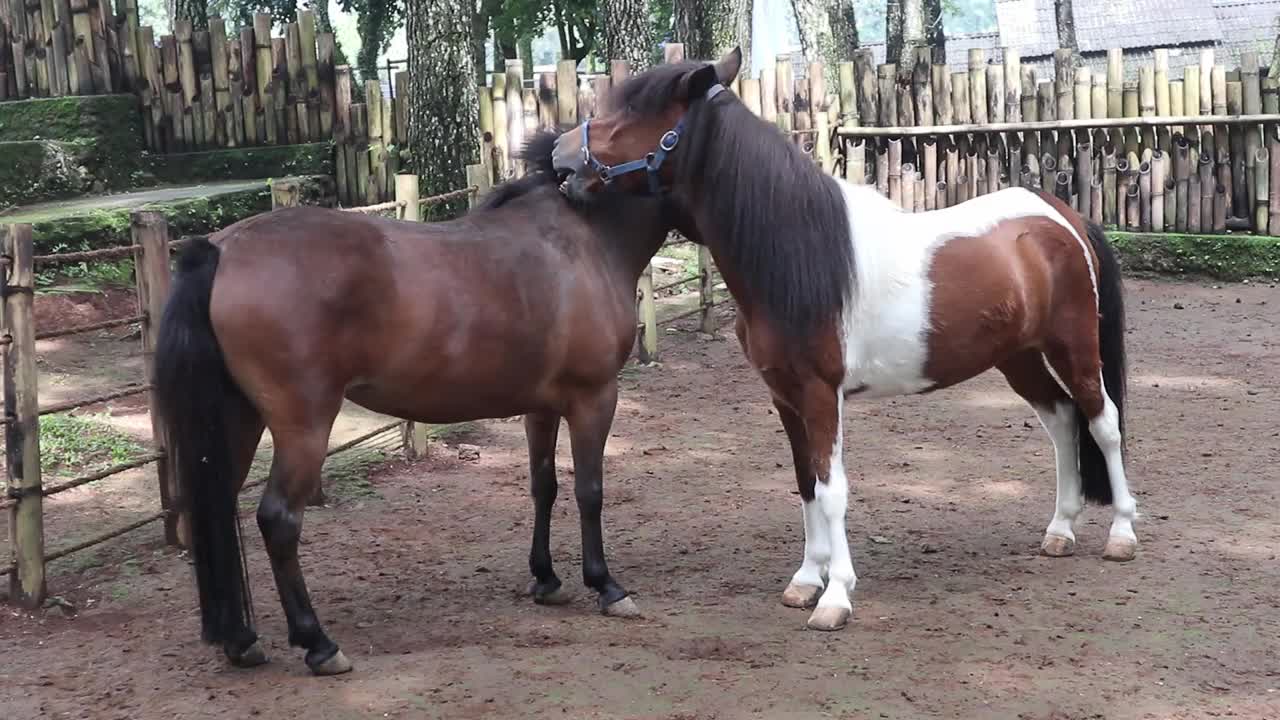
{"type": "Point", "coordinates": [71, 444]}
{"type": "Point", "coordinates": [87, 277]}
{"type": "Point", "coordinates": [1223, 257]}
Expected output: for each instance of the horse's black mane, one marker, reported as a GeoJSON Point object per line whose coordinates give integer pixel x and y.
{"type": "Point", "coordinates": [772, 216]}
{"type": "Point", "coordinates": [536, 153]}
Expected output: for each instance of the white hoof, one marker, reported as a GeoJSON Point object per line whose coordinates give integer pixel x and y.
{"type": "Point", "coordinates": [624, 608]}
{"type": "Point", "coordinates": [1057, 546]}
{"type": "Point", "coordinates": [829, 618]}
{"type": "Point", "coordinates": [335, 665]}
{"type": "Point", "coordinates": [801, 596]}
{"type": "Point", "coordinates": [1120, 549]}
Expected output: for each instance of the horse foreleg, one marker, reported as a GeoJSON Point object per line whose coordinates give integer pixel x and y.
{"type": "Point", "coordinates": [540, 432]}
{"type": "Point", "coordinates": [295, 472]}
{"type": "Point", "coordinates": [821, 407]}
{"type": "Point", "coordinates": [589, 420]}
{"type": "Point", "coordinates": [807, 583]}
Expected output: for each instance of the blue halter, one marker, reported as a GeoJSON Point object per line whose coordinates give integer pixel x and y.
{"type": "Point", "coordinates": [651, 162]}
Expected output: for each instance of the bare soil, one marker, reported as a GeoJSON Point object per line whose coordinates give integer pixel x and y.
{"type": "Point", "coordinates": [421, 579]}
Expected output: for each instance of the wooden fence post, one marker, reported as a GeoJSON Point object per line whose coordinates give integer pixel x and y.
{"type": "Point", "coordinates": [22, 431]}
{"type": "Point", "coordinates": [412, 435]}
{"type": "Point", "coordinates": [285, 193]}
{"type": "Point", "coordinates": [151, 264]}
{"type": "Point", "coordinates": [705, 294]}
{"type": "Point", "coordinates": [477, 177]}
{"type": "Point", "coordinates": [648, 311]}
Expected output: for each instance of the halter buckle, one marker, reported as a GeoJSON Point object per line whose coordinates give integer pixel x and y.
{"type": "Point", "coordinates": [669, 140]}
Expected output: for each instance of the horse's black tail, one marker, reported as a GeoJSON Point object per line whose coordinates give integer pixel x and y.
{"type": "Point", "coordinates": [194, 391]}
{"type": "Point", "coordinates": [1093, 463]}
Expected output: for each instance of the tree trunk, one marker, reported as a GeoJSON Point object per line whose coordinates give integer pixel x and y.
{"type": "Point", "coordinates": [325, 24]}
{"type": "Point", "coordinates": [197, 11]}
{"type": "Point", "coordinates": [893, 31]}
{"type": "Point", "coordinates": [1066, 22]}
{"type": "Point", "coordinates": [627, 33]}
{"type": "Point", "coordinates": [934, 32]}
{"type": "Point", "coordinates": [525, 49]}
{"type": "Point", "coordinates": [912, 32]}
{"type": "Point", "coordinates": [443, 108]}
{"type": "Point", "coordinates": [710, 28]}
{"type": "Point", "coordinates": [844, 28]}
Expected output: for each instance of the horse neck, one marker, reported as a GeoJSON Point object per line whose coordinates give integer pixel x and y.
{"type": "Point", "coordinates": [628, 239]}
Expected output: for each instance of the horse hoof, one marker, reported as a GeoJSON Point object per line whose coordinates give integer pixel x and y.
{"type": "Point", "coordinates": [801, 596]}
{"type": "Point", "coordinates": [624, 608]}
{"type": "Point", "coordinates": [252, 656]}
{"type": "Point", "coordinates": [1120, 549]}
{"type": "Point", "coordinates": [1057, 546]}
{"type": "Point", "coordinates": [829, 618]}
{"type": "Point", "coordinates": [335, 665]}
{"type": "Point", "coordinates": [556, 596]}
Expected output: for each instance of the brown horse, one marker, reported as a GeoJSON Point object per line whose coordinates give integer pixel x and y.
{"type": "Point", "coordinates": [841, 293]}
{"type": "Point", "coordinates": [524, 306]}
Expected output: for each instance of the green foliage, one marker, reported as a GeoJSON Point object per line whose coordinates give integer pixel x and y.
{"type": "Point", "coordinates": [71, 444]}
{"type": "Point", "coordinates": [1224, 257]}
{"type": "Point", "coordinates": [577, 23]}
{"type": "Point", "coordinates": [247, 163]}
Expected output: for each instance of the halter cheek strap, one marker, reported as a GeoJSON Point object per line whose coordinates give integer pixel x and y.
{"type": "Point", "coordinates": [651, 162]}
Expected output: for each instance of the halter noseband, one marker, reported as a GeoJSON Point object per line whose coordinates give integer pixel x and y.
{"type": "Point", "coordinates": [651, 162]}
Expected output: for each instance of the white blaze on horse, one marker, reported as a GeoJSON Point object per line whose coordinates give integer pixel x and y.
{"type": "Point", "coordinates": [841, 293]}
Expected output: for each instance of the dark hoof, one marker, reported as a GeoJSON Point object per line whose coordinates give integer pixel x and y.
{"type": "Point", "coordinates": [251, 656]}
{"type": "Point", "coordinates": [551, 593]}
{"type": "Point", "coordinates": [335, 664]}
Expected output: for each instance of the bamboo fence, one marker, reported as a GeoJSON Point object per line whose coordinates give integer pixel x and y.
{"type": "Point", "coordinates": [1160, 154]}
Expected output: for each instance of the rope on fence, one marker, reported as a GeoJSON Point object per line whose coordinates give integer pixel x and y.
{"type": "Point", "coordinates": [105, 324]}
{"type": "Point", "coordinates": [340, 448]}
{"type": "Point", "coordinates": [446, 197]}
{"type": "Point", "coordinates": [94, 400]}
{"type": "Point", "coordinates": [380, 207]}
{"type": "Point", "coordinates": [694, 311]}
{"type": "Point", "coordinates": [48, 490]}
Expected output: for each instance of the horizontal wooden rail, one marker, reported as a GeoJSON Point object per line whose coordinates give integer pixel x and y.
{"type": "Point", "coordinates": [111, 253]}
{"type": "Point", "coordinates": [369, 209]}
{"type": "Point", "coordinates": [678, 283]}
{"type": "Point", "coordinates": [1089, 124]}
{"type": "Point", "coordinates": [104, 325]}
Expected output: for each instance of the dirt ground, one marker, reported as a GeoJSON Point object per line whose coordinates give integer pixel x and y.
{"type": "Point", "coordinates": [956, 615]}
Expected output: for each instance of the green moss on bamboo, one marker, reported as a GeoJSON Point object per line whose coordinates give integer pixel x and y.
{"type": "Point", "coordinates": [1223, 257]}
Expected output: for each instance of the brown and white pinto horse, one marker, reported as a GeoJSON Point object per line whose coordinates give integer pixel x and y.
{"type": "Point", "coordinates": [840, 293]}
{"type": "Point", "coordinates": [524, 306]}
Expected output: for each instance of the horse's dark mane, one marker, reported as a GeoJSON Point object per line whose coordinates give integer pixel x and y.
{"type": "Point", "coordinates": [536, 153]}
{"type": "Point", "coordinates": [770, 214]}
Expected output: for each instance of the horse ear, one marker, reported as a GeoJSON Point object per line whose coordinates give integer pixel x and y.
{"type": "Point", "coordinates": [697, 83]}
{"type": "Point", "coordinates": [729, 65]}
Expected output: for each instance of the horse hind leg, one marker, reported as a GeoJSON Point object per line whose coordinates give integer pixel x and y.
{"type": "Point", "coordinates": [1028, 375]}
{"type": "Point", "coordinates": [1100, 446]}
{"type": "Point", "coordinates": [541, 431]}
{"type": "Point", "coordinates": [295, 472]}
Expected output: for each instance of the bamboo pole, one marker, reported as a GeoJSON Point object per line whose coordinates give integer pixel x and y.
{"type": "Point", "coordinates": [1191, 100]}
{"type": "Point", "coordinates": [978, 86]}
{"type": "Point", "coordinates": [1083, 104]}
{"type": "Point", "coordinates": [1195, 203]}
{"type": "Point", "coordinates": [1144, 196]}
{"type": "Point", "coordinates": [286, 115]}
{"type": "Point", "coordinates": [908, 185]}
{"type": "Point", "coordinates": [895, 171]}
{"type": "Point", "coordinates": [905, 106]}
{"type": "Point", "coordinates": [1158, 162]}
{"type": "Point", "coordinates": [769, 96]}
{"type": "Point", "coordinates": [953, 175]}
{"type": "Point", "coordinates": [1219, 208]}
{"type": "Point", "coordinates": [887, 79]}
{"type": "Point", "coordinates": [501, 148]}
{"type": "Point", "coordinates": [930, 150]}
{"type": "Point", "coordinates": [855, 167]}
{"type": "Point", "coordinates": [941, 193]}
{"type": "Point", "coordinates": [1115, 83]}
{"type": "Point", "coordinates": [1123, 179]}
{"type": "Point", "coordinates": [882, 168]}
{"type": "Point", "coordinates": [922, 87]}
{"type": "Point", "coordinates": [802, 116]}
{"type": "Point", "coordinates": [1098, 96]}
{"type": "Point", "coordinates": [252, 130]}
{"type": "Point", "coordinates": [1030, 112]}
{"type": "Point", "coordinates": [1251, 89]}
{"type": "Point", "coordinates": [1134, 212]}
{"type": "Point", "coordinates": [1181, 176]}
{"type": "Point", "coordinates": [566, 94]}
{"type": "Point", "coordinates": [1170, 203]}
{"type": "Point", "coordinates": [1147, 102]}
{"type": "Point", "coordinates": [326, 51]}
{"type": "Point", "coordinates": [1206, 75]}
{"type": "Point", "coordinates": [993, 169]}
{"type": "Point", "coordinates": [751, 95]}
{"type": "Point", "coordinates": [22, 433]}
{"type": "Point", "coordinates": [1109, 193]}
{"type": "Point", "coordinates": [309, 92]}
{"type": "Point", "coordinates": [1273, 175]}
{"type": "Point", "coordinates": [976, 172]}
{"type": "Point", "coordinates": [1013, 84]}
{"type": "Point", "coordinates": [1064, 72]}
{"type": "Point", "coordinates": [868, 89]}
{"type": "Point", "coordinates": [785, 92]}
{"type": "Point", "coordinates": [1161, 78]}
{"type": "Point", "coordinates": [960, 99]}
{"type": "Point", "coordinates": [1084, 177]}
{"type": "Point", "coordinates": [1239, 188]}
{"type": "Point", "coordinates": [1262, 191]}
{"type": "Point", "coordinates": [1207, 185]}
{"type": "Point", "coordinates": [996, 98]}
